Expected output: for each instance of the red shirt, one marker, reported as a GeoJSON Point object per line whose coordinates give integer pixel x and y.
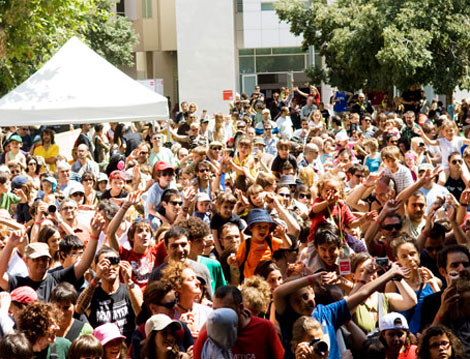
{"type": "Point", "coordinates": [257, 340]}
{"type": "Point", "coordinates": [337, 211]}
{"type": "Point", "coordinates": [142, 264]}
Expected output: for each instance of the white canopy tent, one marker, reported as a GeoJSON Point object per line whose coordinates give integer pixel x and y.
{"type": "Point", "coordinates": [78, 86]}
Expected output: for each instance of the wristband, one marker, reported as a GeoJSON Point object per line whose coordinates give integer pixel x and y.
{"type": "Point", "coordinates": [94, 283]}
{"type": "Point", "coordinates": [425, 233]}
{"type": "Point", "coordinates": [131, 285]}
{"type": "Point", "coordinates": [378, 222]}
{"type": "Point", "coordinates": [93, 237]}
{"type": "Point", "coordinates": [310, 280]}
{"type": "Point", "coordinates": [438, 317]}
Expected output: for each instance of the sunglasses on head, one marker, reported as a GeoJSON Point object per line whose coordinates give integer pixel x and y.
{"type": "Point", "coordinates": [389, 227]}
{"type": "Point", "coordinates": [168, 305]}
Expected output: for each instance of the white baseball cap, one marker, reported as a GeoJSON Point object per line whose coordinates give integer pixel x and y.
{"type": "Point", "coordinates": [393, 320]}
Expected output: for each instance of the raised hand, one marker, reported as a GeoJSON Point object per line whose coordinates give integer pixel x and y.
{"type": "Point", "coordinates": [134, 198]}
{"type": "Point", "coordinates": [126, 271]}
{"type": "Point", "coordinates": [97, 224]}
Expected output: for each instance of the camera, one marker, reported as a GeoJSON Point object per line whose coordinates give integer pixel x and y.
{"type": "Point", "coordinates": [52, 208]}
{"type": "Point", "coordinates": [113, 260]}
{"type": "Point", "coordinates": [382, 262]}
{"type": "Point", "coordinates": [319, 346]}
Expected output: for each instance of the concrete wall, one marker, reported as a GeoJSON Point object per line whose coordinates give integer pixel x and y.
{"type": "Point", "coordinates": [206, 52]}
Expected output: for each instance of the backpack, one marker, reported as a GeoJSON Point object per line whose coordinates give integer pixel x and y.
{"type": "Point", "coordinates": [247, 250]}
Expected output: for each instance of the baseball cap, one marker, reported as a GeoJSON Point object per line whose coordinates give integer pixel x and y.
{"type": "Point", "coordinates": [18, 182]}
{"type": "Point", "coordinates": [258, 141]}
{"type": "Point", "coordinates": [160, 322]}
{"type": "Point", "coordinates": [24, 295]}
{"type": "Point", "coordinates": [215, 143]}
{"type": "Point", "coordinates": [52, 181]}
{"type": "Point", "coordinates": [107, 332]}
{"type": "Point", "coordinates": [76, 188]}
{"type": "Point", "coordinates": [16, 138]}
{"type": "Point", "coordinates": [102, 177]}
{"type": "Point", "coordinates": [265, 111]}
{"type": "Point", "coordinates": [37, 250]}
{"type": "Point", "coordinates": [118, 175]}
{"type": "Point", "coordinates": [202, 197]}
{"type": "Point", "coordinates": [393, 320]}
{"type": "Point", "coordinates": [162, 166]}
{"type": "Point", "coordinates": [341, 136]}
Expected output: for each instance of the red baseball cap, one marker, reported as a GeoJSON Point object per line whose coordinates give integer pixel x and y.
{"type": "Point", "coordinates": [24, 295]}
{"type": "Point", "coordinates": [162, 166]}
{"type": "Point", "coordinates": [118, 175]}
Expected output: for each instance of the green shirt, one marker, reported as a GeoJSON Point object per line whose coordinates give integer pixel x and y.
{"type": "Point", "coordinates": [7, 199]}
{"type": "Point", "coordinates": [215, 270]}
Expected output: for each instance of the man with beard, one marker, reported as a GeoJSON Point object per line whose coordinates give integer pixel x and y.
{"type": "Point", "coordinates": [410, 129]}
{"type": "Point", "coordinates": [414, 220]}
{"type": "Point", "coordinates": [178, 247]}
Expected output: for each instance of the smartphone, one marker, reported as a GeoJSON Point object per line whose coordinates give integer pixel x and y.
{"type": "Point", "coordinates": [382, 261]}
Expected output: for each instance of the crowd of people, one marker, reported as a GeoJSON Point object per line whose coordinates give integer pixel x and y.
{"type": "Point", "coordinates": [284, 229]}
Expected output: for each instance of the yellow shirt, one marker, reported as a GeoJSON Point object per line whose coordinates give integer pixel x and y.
{"type": "Point", "coordinates": [53, 151]}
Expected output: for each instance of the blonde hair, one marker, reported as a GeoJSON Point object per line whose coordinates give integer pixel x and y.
{"type": "Point", "coordinates": [390, 153]}
{"type": "Point", "coordinates": [307, 175]}
{"type": "Point", "coordinates": [330, 179]}
{"type": "Point", "coordinates": [449, 124]}
{"type": "Point", "coordinates": [372, 143]}
{"type": "Point", "coordinates": [256, 293]}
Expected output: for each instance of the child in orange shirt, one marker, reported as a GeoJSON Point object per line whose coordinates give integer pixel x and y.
{"type": "Point", "coordinates": [260, 246]}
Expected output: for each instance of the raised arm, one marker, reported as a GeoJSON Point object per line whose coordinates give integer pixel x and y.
{"type": "Point", "coordinates": [404, 300]}
{"type": "Point", "coordinates": [16, 238]}
{"type": "Point", "coordinates": [135, 293]}
{"type": "Point", "coordinates": [426, 139]}
{"type": "Point", "coordinates": [97, 224]}
{"type": "Point", "coordinates": [292, 225]}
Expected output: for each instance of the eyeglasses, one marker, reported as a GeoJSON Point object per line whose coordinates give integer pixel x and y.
{"type": "Point", "coordinates": [168, 305]}
{"type": "Point", "coordinates": [176, 203]}
{"type": "Point", "coordinates": [285, 195]}
{"type": "Point", "coordinates": [454, 162]}
{"type": "Point", "coordinates": [433, 249]}
{"type": "Point", "coordinates": [203, 170]}
{"type": "Point", "coordinates": [167, 174]}
{"type": "Point", "coordinates": [444, 343]}
{"type": "Point", "coordinates": [68, 208]}
{"type": "Point", "coordinates": [305, 195]}
{"type": "Point", "coordinates": [390, 227]}
{"type": "Point", "coordinates": [15, 171]}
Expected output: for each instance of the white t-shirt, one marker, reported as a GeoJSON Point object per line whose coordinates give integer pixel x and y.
{"type": "Point", "coordinates": [284, 124]}
{"type": "Point", "coordinates": [447, 147]}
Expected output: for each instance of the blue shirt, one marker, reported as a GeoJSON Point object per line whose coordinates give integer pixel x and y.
{"type": "Point", "coordinates": [413, 315]}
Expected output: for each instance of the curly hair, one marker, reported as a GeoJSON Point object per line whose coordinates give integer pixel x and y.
{"type": "Point", "coordinates": [38, 319]}
{"type": "Point", "coordinates": [458, 350]}
{"type": "Point", "coordinates": [332, 180]}
{"type": "Point", "coordinates": [173, 273]}
{"type": "Point", "coordinates": [256, 293]}
{"type": "Point", "coordinates": [196, 227]}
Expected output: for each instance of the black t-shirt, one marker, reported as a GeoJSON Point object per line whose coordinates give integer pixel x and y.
{"type": "Point", "coordinates": [217, 221]}
{"type": "Point", "coordinates": [45, 287]}
{"type": "Point", "coordinates": [113, 308]}
{"type": "Point", "coordinates": [455, 186]}
{"type": "Point", "coordinates": [279, 162]}
{"type": "Point", "coordinates": [133, 141]}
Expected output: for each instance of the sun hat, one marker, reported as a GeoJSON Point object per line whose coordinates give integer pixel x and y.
{"type": "Point", "coordinates": [393, 320]}
{"type": "Point", "coordinates": [107, 332]}
{"type": "Point", "coordinates": [258, 215]}
{"type": "Point", "coordinates": [160, 322]}
{"type": "Point", "coordinates": [215, 143]}
{"type": "Point", "coordinates": [36, 250]}
{"type": "Point", "coordinates": [288, 179]}
{"type": "Point", "coordinates": [102, 177]}
{"type": "Point", "coordinates": [76, 188]}
{"type": "Point", "coordinates": [52, 181]}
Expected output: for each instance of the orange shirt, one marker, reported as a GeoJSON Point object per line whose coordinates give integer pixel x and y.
{"type": "Point", "coordinates": [258, 252]}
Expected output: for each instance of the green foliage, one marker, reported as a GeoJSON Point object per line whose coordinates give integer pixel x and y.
{"type": "Point", "coordinates": [378, 43]}
{"type": "Point", "coordinates": [31, 31]}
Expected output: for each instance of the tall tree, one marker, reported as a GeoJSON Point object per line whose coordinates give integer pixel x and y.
{"type": "Point", "coordinates": [31, 31]}
{"type": "Point", "coordinates": [375, 44]}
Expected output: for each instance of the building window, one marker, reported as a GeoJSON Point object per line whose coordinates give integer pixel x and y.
{"type": "Point", "coordinates": [267, 6]}
{"type": "Point", "coordinates": [147, 12]}
{"type": "Point", "coordinates": [120, 9]}
{"type": "Point", "coordinates": [239, 5]}
{"type": "Point", "coordinates": [272, 60]}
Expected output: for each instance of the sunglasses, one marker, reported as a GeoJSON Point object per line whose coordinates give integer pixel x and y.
{"type": "Point", "coordinates": [113, 260]}
{"type": "Point", "coordinates": [305, 195]}
{"type": "Point", "coordinates": [88, 180]}
{"type": "Point", "coordinates": [32, 164]}
{"type": "Point", "coordinates": [359, 176]}
{"type": "Point", "coordinates": [176, 203]}
{"type": "Point", "coordinates": [285, 195]}
{"type": "Point", "coordinates": [204, 170]}
{"type": "Point", "coordinates": [144, 153]}
{"type": "Point", "coordinates": [168, 305]}
{"type": "Point", "coordinates": [167, 174]}
{"type": "Point", "coordinates": [390, 227]}
{"type": "Point", "coordinates": [157, 138]}
{"type": "Point", "coordinates": [216, 148]}
{"type": "Point", "coordinates": [454, 162]}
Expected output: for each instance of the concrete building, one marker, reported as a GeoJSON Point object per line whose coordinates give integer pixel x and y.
{"type": "Point", "coordinates": [201, 48]}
